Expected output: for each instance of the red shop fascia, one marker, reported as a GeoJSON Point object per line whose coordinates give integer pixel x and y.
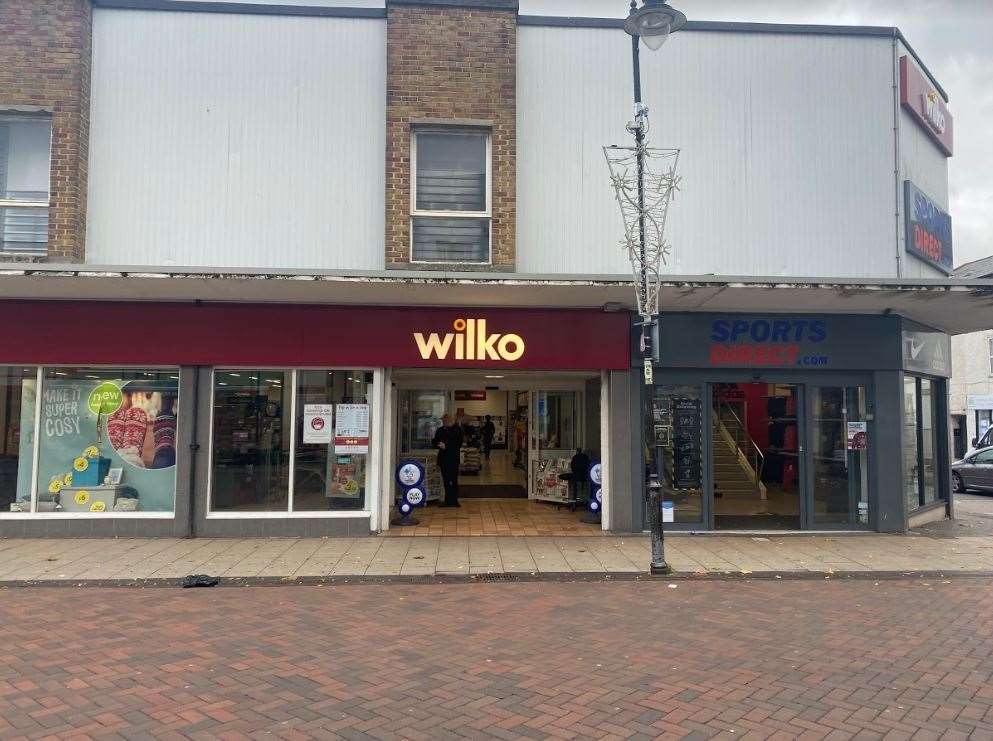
{"type": "Point", "coordinates": [107, 333]}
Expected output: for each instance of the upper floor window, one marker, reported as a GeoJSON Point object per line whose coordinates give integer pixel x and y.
{"type": "Point", "coordinates": [450, 196]}
{"type": "Point", "coordinates": [25, 153]}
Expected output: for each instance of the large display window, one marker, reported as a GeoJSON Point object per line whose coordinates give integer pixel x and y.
{"type": "Point", "coordinates": [289, 441]}
{"type": "Point", "coordinates": [17, 429]}
{"type": "Point", "coordinates": [920, 442]}
{"type": "Point", "coordinates": [106, 440]}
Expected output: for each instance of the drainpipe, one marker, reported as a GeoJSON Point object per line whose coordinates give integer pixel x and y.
{"type": "Point", "coordinates": [194, 447]}
{"type": "Point", "coordinates": [898, 190]}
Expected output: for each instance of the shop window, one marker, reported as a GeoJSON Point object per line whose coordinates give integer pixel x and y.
{"type": "Point", "coordinates": [250, 454]}
{"type": "Point", "coordinates": [107, 440]}
{"type": "Point", "coordinates": [450, 200]}
{"type": "Point", "coordinates": [677, 422]}
{"type": "Point", "coordinates": [331, 454]}
{"type": "Point", "coordinates": [25, 146]}
{"type": "Point", "coordinates": [557, 419]}
{"type": "Point", "coordinates": [279, 450]}
{"type": "Point", "coordinates": [984, 420]}
{"type": "Point", "coordinates": [840, 455]}
{"type": "Point", "coordinates": [17, 429]}
{"type": "Point", "coordinates": [921, 432]}
{"type": "Point", "coordinates": [990, 341]}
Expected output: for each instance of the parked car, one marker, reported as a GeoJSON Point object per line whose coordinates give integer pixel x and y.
{"type": "Point", "coordinates": [983, 441]}
{"type": "Point", "coordinates": [975, 471]}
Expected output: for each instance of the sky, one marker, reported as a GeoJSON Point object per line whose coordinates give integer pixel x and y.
{"type": "Point", "coordinates": [953, 37]}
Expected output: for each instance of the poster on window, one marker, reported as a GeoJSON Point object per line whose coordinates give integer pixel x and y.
{"type": "Point", "coordinates": [318, 428]}
{"type": "Point", "coordinates": [858, 438]}
{"type": "Point", "coordinates": [351, 429]}
{"type": "Point", "coordinates": [89, 426]}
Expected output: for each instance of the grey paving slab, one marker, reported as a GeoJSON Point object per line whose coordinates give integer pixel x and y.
{"type": "Point", "coordinates": [422, 557]}
{"type": "Point", "coordinates": [323, 560]}
{"type": "Point", "coordinates": [516, 556]}
{"type": "Point", "coordinates": [577, 554]}
{"type": "Point", "coordinates": [389, 559]}
{"type": "Point", "coordinates": [484, 556]}
{"type": "Point", "coordinates": [453, 556]}
{"type": "Point", "coordinates": [547, 556]}
{"type": "Point", "coordinates": [358, 557]}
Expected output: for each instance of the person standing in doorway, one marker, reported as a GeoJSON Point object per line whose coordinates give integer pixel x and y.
{"type": "Point", "coordinates": [489, 430]}
{"type": "Point", "coordinates": [448, 440]}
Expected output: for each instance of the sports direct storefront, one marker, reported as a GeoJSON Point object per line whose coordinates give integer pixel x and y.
{"type": "Point", "coordinates": [802, 421]}
{"type": "Point", "coordinates": [270, 419]}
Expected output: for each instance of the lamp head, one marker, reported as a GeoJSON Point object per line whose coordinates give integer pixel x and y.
{"type": "Point", "coordinates": [653, 22]}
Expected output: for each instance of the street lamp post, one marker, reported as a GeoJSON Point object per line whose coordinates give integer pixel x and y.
{"type": "Point", "coordinates": [651, 23]}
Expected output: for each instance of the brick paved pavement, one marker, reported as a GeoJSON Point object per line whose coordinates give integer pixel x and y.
{"type": "Point", "coordinates": [630, 659]}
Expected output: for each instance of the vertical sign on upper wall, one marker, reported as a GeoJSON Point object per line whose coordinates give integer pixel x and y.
{"type": "Point", "coordinates": [925, 105]}
{"type": "Point", "coordinates": [929, 228]}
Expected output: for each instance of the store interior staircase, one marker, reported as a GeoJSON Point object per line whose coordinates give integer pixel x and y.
{"type": "Point", "coordinates": [738, 461]}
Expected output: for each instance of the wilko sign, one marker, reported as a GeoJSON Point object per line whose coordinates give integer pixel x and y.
{"type": "Point", "coordinates": [925, 105]}
{"type": "Point", "coordinates": [928, 228]}
{"type": "Point", "coordinates": [303, 336]}
{"type": "Point", "coordinates": [470, 341]}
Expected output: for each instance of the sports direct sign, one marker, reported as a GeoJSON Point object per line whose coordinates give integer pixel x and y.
{"type": "Point", "coordinates": [928, 228]}
{"type": "Point", "coordinates": [767, 342]}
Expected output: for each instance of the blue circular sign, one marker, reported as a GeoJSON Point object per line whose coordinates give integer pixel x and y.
{"type": "Point", "coordinates": [596, 473]}
{"type": "Point", "coordinates": [409, 473]}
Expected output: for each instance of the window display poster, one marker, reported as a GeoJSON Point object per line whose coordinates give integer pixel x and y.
{"type": "Point", "coordinates": [351, 429]}
{"type": "Point", "coordinates": [97, 424]}
{"type": "Point", "coordinates": [858, 438]}
{"type": "Point", "coordinates": [318, 428]}
{"type": "Point", "coordinates": [347, 475]}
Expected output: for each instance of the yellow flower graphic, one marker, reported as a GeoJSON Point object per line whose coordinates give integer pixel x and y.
{"type": "Point", "coordinates": [80, 464]}
{"type": "Point", "coordinates": [82, 498]}
{"type": "Point", "coordinates": [67, 479]}
{"type": "Point", "coordinates": [98, 506]}
{"type": "Point", "coordinates": [91, 452]}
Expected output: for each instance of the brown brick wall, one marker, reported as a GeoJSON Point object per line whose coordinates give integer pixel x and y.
{"type": "Point", "coordinates": [45, 63]}
{"type": "Point", "coordinates": [447, 63]}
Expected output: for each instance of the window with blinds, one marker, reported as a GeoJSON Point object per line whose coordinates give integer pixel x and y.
{"type": "Point", "coordinates": [450, 214]}
{"type": "Point", "coordinates": [25, 148]}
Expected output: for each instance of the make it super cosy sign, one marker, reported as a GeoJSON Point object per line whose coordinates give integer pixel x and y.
{"type": "Point", "coordinates": [928, 227]}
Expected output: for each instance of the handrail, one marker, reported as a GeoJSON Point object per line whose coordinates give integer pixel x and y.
{"type": "Point", "coordinates": [741, 426]}
{"type": "Point", "coordinates": [759, 460]}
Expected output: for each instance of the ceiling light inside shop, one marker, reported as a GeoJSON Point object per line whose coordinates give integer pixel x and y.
{"type": "Point", "coordinates": [235, 375]}
{"type": "Point", "coordinates": [492, 376]}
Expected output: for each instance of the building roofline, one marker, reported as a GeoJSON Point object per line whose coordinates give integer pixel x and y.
{"type": "Point", "coordinates": [207, 6]}
{"type": "Point", "coordinates": [441, 277]}
{"type": "Point", "coordinates": [275, 8]}
{"type": "Point", "coordinates": [742, 27]}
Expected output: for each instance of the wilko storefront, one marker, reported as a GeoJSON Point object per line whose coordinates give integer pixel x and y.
{"type": "Point", "coordinates": [797, 422]}
{"type": "Point", "coordinates": [217, 419]}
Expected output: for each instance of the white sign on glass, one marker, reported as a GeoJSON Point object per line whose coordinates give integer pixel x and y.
{"type": "Point", "coordinates": [317, 425]}
{"type": "Point", "coordinates": [351, 431]}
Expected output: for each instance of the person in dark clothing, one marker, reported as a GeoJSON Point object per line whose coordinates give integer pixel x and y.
{"type": "Point", "coordinates": [489, 430]}
{"type": "Point", "coordinates": [448, 440]}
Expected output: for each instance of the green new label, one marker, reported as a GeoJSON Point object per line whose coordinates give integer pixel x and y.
{"type": "Point", "coordinates": [105, 399]}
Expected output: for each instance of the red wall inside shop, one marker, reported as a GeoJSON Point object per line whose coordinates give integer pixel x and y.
{"type": "Point", "coordinates": [757, 422]}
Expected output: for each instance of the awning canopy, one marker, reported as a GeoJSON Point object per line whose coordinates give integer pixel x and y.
{"type": "Point", "coordinates": [953, 305]}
